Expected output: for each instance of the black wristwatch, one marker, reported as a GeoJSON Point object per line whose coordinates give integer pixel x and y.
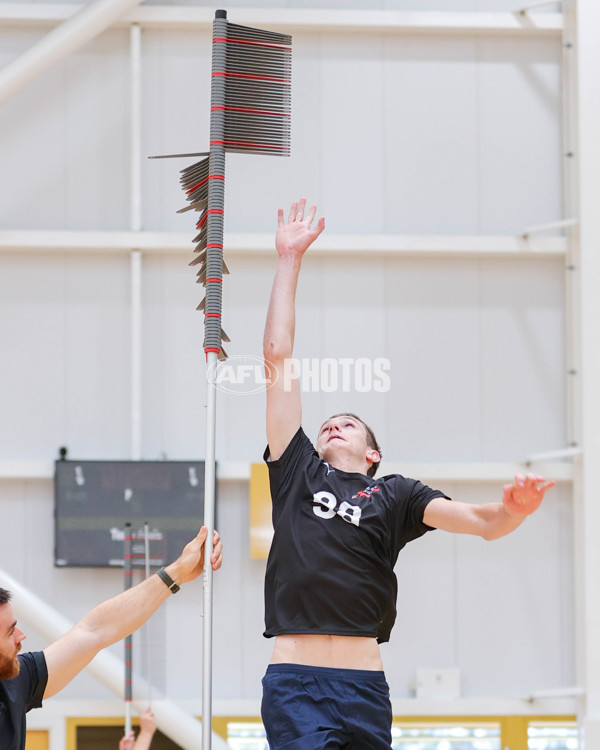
{"type": "Point", "coordinates": [169, 582]}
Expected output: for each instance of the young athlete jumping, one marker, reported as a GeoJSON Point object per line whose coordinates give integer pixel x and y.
{"type": "Point", "coordinates": [330, 588]}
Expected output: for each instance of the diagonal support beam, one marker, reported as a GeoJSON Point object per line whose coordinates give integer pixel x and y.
{"type": "Point", "coordinates": [61, 42]}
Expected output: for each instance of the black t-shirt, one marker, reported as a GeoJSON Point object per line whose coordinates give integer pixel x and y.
{"type": "Point", "coordinates": [19, 695]}
{"type": "Point", "coordinates": [337, 537]}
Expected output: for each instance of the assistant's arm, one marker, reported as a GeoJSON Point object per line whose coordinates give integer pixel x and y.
{"type": "Point", "coordinates": [490, 520]}
{"type": "Point", "coordinates": [284, 406]}
{"type": "Point", "coordinates": [122, 615]}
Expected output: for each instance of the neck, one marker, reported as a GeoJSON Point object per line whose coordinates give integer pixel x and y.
{"type": "Point", "coordinates": [349, 465]}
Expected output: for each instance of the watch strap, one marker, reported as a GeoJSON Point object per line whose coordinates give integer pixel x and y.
{"type": "Point", "coordinates": [168, 581]}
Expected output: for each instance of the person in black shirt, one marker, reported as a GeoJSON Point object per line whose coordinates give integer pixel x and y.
{"type": "Point", "coordinates": [330, 589]}
{"type": "Point", "coordinates": [26, 679]}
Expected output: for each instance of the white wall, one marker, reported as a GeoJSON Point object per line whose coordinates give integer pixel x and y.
{"type": "Point", "coordinates": [391, 134]}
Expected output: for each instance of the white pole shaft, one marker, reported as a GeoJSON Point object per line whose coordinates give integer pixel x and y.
{"type": "Point", "coordinates": [61, 42]}
{"type": "Point", "coordinates": [146, 627]}
{"type": "Point", "coordinates": [209, 522]}
{"type": "Point", "coordinates": [135, 221]}
{"type": "Point", "coordinates": [180, 726]}
{"type": "Point", "coordinates": [136, 354]}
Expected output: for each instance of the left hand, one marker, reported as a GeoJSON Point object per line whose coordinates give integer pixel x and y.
{"type": "Point", "coordinates": [525, 494]}
{"type": "Point", "coordinates": [147, 722]}
{"type": "Point", "coordinates": [190, 563]}
{"type": "Point", "coordinates": [127, 742]}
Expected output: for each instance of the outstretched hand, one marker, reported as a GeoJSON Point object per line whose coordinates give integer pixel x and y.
{"type": "Point", "coordinates": [525, 494]}
{"type": "Point", "coordinates": [127, 742]}
{"type": "Point", "coordinates": [295, 237]}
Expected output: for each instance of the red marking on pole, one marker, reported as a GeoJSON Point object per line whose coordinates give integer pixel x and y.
{"type": "Point", "coordinates": [212, 315]}
{"type": "Point", "coordinates": [211, 349]}
{"type": "Point", "coordinates": [253, 111]}
{"type": "Point", "coordinates": [216, 177]}
{"type": "Point", "coordinates": [214, 244]}
{"type": "Point", "coordinates": [249, 145]}
{"type": "Point", "coordinates": [214, 281]}
{"type": "Point", "coordinates": [254, 44]}
{"type": "Point", "coordinates": [215, 211]}
{"type": "Point", "coordinates": [252, 77]}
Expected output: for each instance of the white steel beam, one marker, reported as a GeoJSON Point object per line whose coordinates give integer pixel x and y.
{"type": "Point", "coordinates": [72, 34]}
{"type": "Point", "coordinates": [587, 52]}
{"type": "Point", "coordinates": [72, 241]}
{"type": "Point", "coordinates": [314, 19]}
{"type": "Point", "coordinates": [450, 471]}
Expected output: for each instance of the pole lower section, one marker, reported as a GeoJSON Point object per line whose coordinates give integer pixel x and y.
{"type": "Point", "coordinates": [209, 522]}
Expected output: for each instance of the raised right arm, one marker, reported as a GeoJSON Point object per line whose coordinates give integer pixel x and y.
{"type": "Point", "coordinates": [284, 406]}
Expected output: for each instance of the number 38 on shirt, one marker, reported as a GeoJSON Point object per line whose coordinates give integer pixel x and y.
{"type": "Point", "coordinates": [326, 506]}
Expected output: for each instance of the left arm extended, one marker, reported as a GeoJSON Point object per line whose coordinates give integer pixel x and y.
{"type": "Point", "coordinates": [123, 614]}
{"type": "Point", "coordinates": [492, 520]}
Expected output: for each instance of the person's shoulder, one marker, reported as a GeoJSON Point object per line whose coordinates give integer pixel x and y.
{"type": "Point", "coordinates": [299, 444]}
{"type": "Point", "coordinates": [399, 485]}
{"type": "Point", "coordinates": [33, 666]}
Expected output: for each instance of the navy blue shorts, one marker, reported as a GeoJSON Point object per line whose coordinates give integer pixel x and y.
{"type": "Point", "coordinates": [318, 708]}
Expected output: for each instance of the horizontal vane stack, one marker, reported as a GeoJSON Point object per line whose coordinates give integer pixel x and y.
{"type": "Point", "coordinates": [258, 79]}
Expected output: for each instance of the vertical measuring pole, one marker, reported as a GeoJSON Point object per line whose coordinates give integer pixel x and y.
{"type": "Point", "coordinates": [212, 338]}
{"type": "Point", "coordinates": [127, 568]}
{"type": "Point", "coordinates": [147, 625]}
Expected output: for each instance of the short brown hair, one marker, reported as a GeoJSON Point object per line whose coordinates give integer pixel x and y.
{"type": "Point", "coordinates": [5, 596]}
{"type": "Point", "coordinates": [371, 439]}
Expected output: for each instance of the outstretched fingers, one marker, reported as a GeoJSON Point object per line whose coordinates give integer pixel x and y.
{"type": "Point", "coordinates": [319, 227]}
{"type": "Point", "coordinates": [538, 483]}
{"type": "Point", "coordinates": [300, 209]}
{"type": "Point", "coordinates": [293, 211]}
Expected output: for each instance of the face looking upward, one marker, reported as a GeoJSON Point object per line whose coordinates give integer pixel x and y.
{"type": "Point", "coordinates": [342, 442]}
{"type": "Point", "coordinates": [10, 643]}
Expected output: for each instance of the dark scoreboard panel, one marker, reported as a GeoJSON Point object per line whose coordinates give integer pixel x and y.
{"type": "Point", "coordinates": [94, 499]}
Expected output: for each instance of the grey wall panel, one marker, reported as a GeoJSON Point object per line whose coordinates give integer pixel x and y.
{"type": "Point", "coordinates": [176, 117]}
{"type": "Point", "coordinates": [522, 348]}
{"type": "Point", "coordinates": [513, 594]}
{"type": "Point", "coordinates": [32, 154]}
{"type": "Point", "coordinates": [519, 148]}
{"type": "Point", "coordinates": [65, 140]}
{"type": "Point", "coordinates": [431, 129]}
{"type": "Point", "coordinates": [65, 334]}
